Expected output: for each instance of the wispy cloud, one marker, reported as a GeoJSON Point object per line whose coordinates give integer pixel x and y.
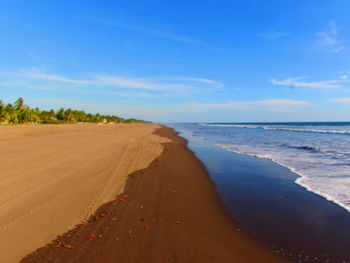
{"type": "Point", "coordinates": [269, 104]}
{"type": "Point", "coordinates": [271, 34]}
{"type": "Point", "coordinates": [330, 40]}
{"type": "Point", "coordinates": [26, 85]}
{"type": "Point", "coordinates": [342, 100]}
{"type": "Point", "coordinates": [131, 83]}
{"type": "Point", "coordinates": [301, 82]}
{"type": "Point", "coordinates": [124, 110]}
{"type": "Point", "coordinates": [211, 82]}
{"type": "Point", "coordinates": [184, 86]}
{"type": "Point", "coordinates": [153, 32]}
{"type": "Point", "coordinates": [35, 74]}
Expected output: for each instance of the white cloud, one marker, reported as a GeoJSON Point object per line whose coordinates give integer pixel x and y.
{"type": "Point", "coordinates": [300, 82]}
{"type": "Point", "coordinates": [36, 74]}
{"type": "Point", "coordinates": [342, 100]}
{"type": "Point", "coordinates": [208, 81]}
{"type": "Point", "coordinates": [108, 80]}
{"type": "Point", "coordinates": [183, 86]}
{"type": "Point", "coordinates": [269, 104]}
{"type": "Point", "coordinates": [25, 85]}
{"type": "Point", "coordinates": [330, 39]}
{"type": "Point", "coordinates": [271, 34]}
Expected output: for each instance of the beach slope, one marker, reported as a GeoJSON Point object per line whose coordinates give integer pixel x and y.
{"type": "Point", "coordinates": [169, 212]}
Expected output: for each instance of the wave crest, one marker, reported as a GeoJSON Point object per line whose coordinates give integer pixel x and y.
{"type": "Point", "coordinates": [248, 126]}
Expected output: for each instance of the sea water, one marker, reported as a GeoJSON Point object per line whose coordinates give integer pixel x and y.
{"type": "Point", "coordinates": [319, 153]}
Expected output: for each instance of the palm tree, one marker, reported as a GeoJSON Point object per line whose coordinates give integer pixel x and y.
{"type": "Point", "coordinates": [3, 113]}
{"type": "Point", "coordinates": [19, 104]}
{"type": "Point", "coordinates": [60, 114]}
{"type": "Point", "coordinates": [19, 113]}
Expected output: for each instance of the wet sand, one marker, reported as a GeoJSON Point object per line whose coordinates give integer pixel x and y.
{"type": "Point", "coordinates": [293, 222]}
{"type": "Point", "coordinates": [169, 212]}
{"type": "Point", "coordinates": [54, 177]}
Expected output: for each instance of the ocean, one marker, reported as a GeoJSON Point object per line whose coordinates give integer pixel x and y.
{"type": "Point", "coordinates": [286, 184]}
{"type": "Point", "coordinates": [318, 152]}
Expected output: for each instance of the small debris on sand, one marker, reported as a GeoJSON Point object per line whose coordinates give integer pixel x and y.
{"type": "Point", "coordinates": [104, 229]}
{"type": "Point", "coordinates": [68, 246]}
{"type": "Point", "coordinates": [124, 198]}
{"type": "Point", "coordinates": [91, 237]}
{"type": "Point", "coordinates": [103, 214]}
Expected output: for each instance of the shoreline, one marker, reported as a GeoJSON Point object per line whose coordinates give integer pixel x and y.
{"type": "Point", "coordinates": [266, 200]}
{"type": "Point", "coordinates": [299, 175]}
{"type": "Point", "coordinates": [169, 212]}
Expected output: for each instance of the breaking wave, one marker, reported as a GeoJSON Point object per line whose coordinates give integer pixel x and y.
{"type": "Point", "coordinates": [248, 126]}
{"type": "Point", "coordinates": [319, 153]}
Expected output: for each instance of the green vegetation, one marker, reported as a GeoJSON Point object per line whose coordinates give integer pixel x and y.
{"type": "Point", "coordinates": [18, 113]}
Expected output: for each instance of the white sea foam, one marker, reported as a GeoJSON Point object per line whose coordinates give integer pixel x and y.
{"type": "Point", "coordinates": [307, 130]}
{"type": "Point", "coordinates": [332, 188]}
{"type": "Point", "coordinates": [318, 153]}
{"type": "Point", "coordinates": [291, 129]}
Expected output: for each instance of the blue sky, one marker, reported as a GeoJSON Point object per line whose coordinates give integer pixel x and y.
{"type": "Point", "coordinates": [180, 61]}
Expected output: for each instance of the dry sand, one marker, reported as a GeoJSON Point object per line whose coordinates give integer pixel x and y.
{"type": "Point", "coordinates": [54, 177]}
{"type": "Point", "coordinates": [169, 212]}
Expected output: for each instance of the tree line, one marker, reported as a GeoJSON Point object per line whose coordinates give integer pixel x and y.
{"type": "Point", "coordinates": [18, 113]}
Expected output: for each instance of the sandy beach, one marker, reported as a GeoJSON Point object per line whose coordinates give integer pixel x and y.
{"type": "Point", "coordinates": [54, 177]}
{"type": "Point", "coordinates": [169, 212]}
{"type": "Point", "coordinates": [174, 131]}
